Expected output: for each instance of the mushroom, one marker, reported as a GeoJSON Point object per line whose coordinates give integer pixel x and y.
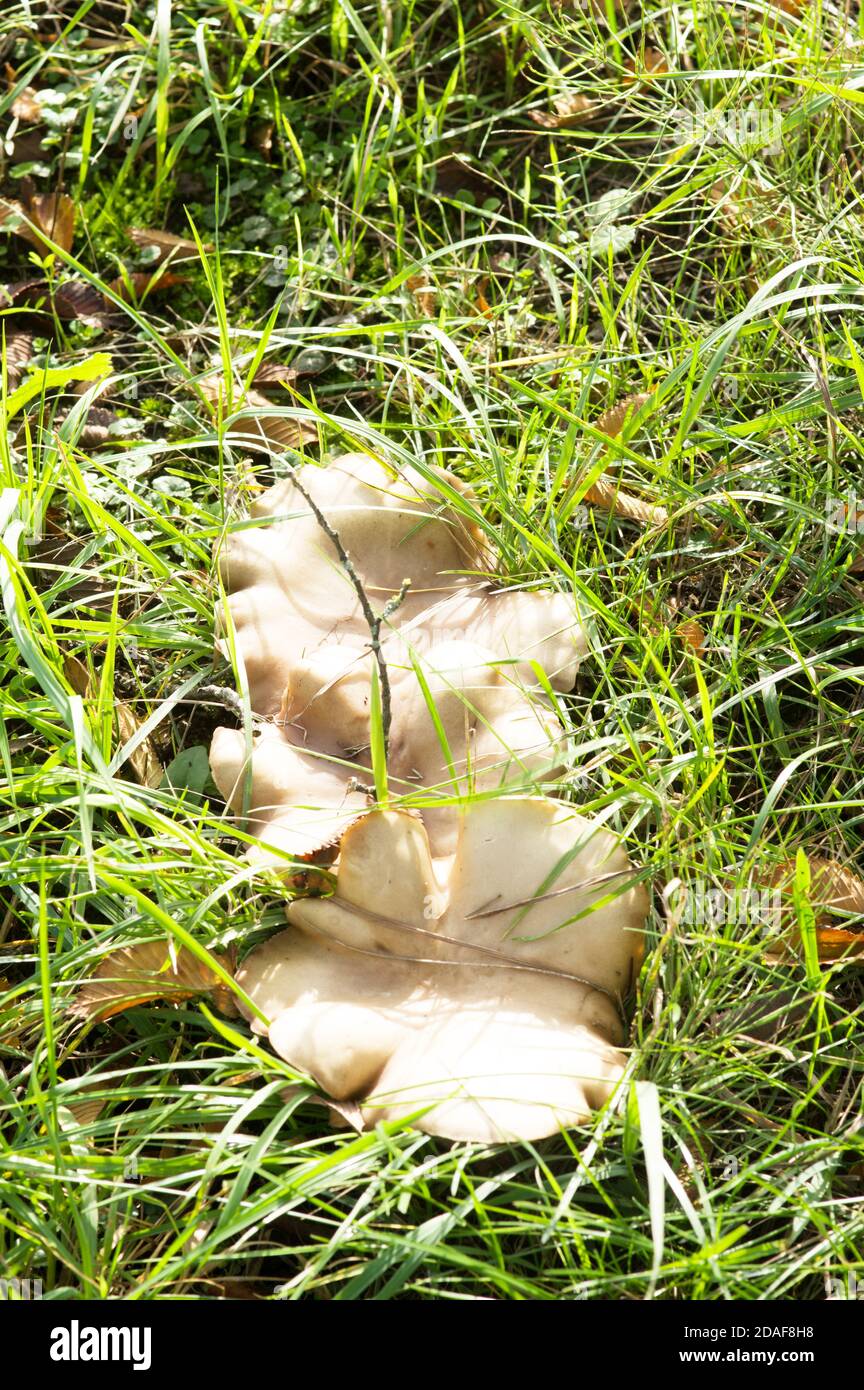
{"type": "Point", "coordinates": [476, 993]}
{"type": "Point", "coordinates": [477, 718]}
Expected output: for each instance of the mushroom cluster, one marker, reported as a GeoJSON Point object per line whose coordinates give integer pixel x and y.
{"type": "Point", "coordinates": [468, 970]}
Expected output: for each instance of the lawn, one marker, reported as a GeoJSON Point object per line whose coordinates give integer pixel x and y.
{"type": "Point", "coordinates": [468, 234]}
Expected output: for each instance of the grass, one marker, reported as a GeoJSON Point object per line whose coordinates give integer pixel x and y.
{"type": "Point", "coordinates": [473, 289]}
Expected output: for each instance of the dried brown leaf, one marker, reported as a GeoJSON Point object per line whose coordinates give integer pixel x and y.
{"type": "Point", "coordinates": [144, 761]}
{"type": "Point", "coordinates": [612, 421]}
{"type": "Point", "coordinates": [274, 374]}
{"type": "Point", "coordinates": [140, 283]}
{"type": "Point", "coordinates": [606, 494]}
{"type": "Point", "coordinates": [647, 65]}
{"type": "Point", "coordinates": [179, 248]}
{"type": "Point", "coordinates": [143, 973]}
{"type": "Point", "coordinates": [17, 353]}
{"type": "Point", "coordinates": [78, 676]}
{"type": "Point", "coordinates": [834, 889]}
{"type": "Point", "coordinates": [571, 110]}
{"type": "Point", "coordinates": [424, 294]}
{"type": "Point", "coordinates": [692, 635]}
{"type": "Point", "coordinates": [26, 106]}
{"type": "Point", "coordinates": [53, 215]}
{"type": "Point", "coordinates": [76, 299]}
{"type": "Point", "coordinates": [283, 431]}
{"type": "Point", "coordinates": [96, 429]}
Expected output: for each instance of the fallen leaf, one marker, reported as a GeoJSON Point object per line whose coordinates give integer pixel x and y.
{"type": "Point", "coordinates": [136, 286]}
{"type": "Point", "coordinates": [96, 429]}
{"type": "Point", "coordinates": [648, 64]}
{"type": "Point", "coordinates": [18, 350]}
{"type": "Point", "coordinates": [483, 305]}
{"type": "Point", "coordinates": [250, 421]}
{"type": "Point", "coordinates": [574, 109]}
{"type": "Point", "coordinates": [606, 494]}
{"type": "Point", "coordinates": [424, 294]}
{"type": "Point", "coordinates": [144, 760]}
{"type": "Point", "coordinates": [834, 890]}
{"type": "Point", "coordinates": [76, 299]}
{"type": "Point", "coordinates": [612, 421]}
{"type": "Point", "coordinates": [53, 215]}
{"type": "Point", "coordinates": [274, 374]}
{"type": "Point", "coordinates": [78, 676]}
{"type": "Point", "coordinates": [26, 106]}
{"type": "Point", "coordinates": [145, 972]}
{"type": "Point", "coordinates": [179, 248]}
{"type": "Point", "coordinates": [692, 635]}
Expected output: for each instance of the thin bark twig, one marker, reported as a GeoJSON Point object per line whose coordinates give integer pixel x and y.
{"type": "Point", "coordinates": [373, 619]}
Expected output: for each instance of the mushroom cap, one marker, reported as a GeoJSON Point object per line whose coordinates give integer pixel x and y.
{"type": "Point", "coordinates": [301, 633]}
{"type": "Point", "coordinates": [497, 1026]}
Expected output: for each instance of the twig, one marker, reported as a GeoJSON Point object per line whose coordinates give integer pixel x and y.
{"type": "Point", "coordinates": [374, 620]}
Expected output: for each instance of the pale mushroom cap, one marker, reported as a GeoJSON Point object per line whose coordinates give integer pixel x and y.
{"type": "Point", "coordinates": [301, 634]}
{"type": "Point", "coordinates": [382, 994]}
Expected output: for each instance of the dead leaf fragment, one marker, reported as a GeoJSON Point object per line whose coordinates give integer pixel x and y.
{"type": "Point", "coordinates": [252, 417]}
{"type": "Point", "coordinates": [613, 420]}
{"type": "Point", "coordinates": [52, 216]}
{"type": "Point", "coordinates": [648, 64]}
{"type": "Point", "coordinates": [178, 248]}
{"type": "Point", "coordinates": [834, 891]}
{"type": "Point", "coordinates": [26, 107]}
{"type": "Point", "coordinates": [606, 494]}
{"type": "Point", "coordinates": [76, 299]}
{"type": "Point", "coordinates": [17, 352]}
{"type": "Point", "coordinates": [274, 374]}
{"type": "Point", "coordinates": [424, 294]}
{"type": "Point", "coordinates": [572, 110]}
{"type": "Point", "coordinates": [146, 972]}
{"type": "Point", "coordinates": [692, 635]}
{"type": "Point", "coordinates": [143, 760]}
{"type": "Point", "coordinates": [137, 286]}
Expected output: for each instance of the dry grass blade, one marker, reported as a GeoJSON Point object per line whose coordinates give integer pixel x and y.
{"type": "Point", "coordinates": [145, 972]}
